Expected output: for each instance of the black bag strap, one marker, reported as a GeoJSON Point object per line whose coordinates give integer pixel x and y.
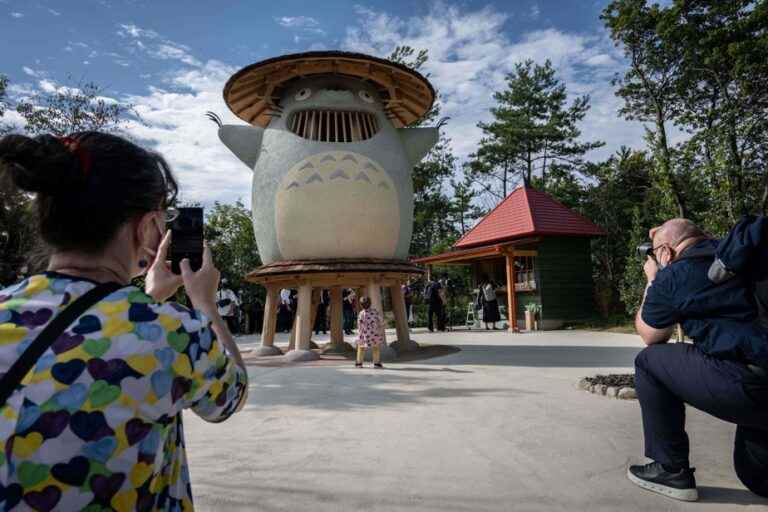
{"type": "Point", "coordinates": [51, 333]}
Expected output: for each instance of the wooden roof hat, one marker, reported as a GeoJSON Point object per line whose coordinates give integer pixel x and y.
{"type": "Point", "coordinates": [252, 93]}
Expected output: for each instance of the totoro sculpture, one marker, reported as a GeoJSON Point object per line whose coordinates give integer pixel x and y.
{"type": "Point", "coordinates": [331, 172]}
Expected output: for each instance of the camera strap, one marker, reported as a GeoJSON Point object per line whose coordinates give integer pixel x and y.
{"type": "Point", "coordinates": [51, 333]}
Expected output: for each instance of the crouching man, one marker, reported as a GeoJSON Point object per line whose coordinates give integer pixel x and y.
{"type": "Point", "coordinates": [722, 373]}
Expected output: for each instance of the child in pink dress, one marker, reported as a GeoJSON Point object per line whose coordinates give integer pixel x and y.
{"type": "Point", "coordinates": [371, 331]}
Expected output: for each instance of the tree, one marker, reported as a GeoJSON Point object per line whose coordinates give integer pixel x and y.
{"type": "Point", "coordinates": [72, 109]}
{"type": "Point", "coordinates": [722, 102]}
{"type": "Point", "coordinates": [229, 231]}
{"type": "Point", "coordinates": [648, 86]}
{"type": "Point", "coordinates": [464, 212]}
{"type": "Point", "coordinates": [432, 229]}
{"type": "Point", "coordinates": [534, 132]}
{"type": "Point", "coordinates": [616, 189]}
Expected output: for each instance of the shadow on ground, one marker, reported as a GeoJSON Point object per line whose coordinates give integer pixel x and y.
{"type": "Point", "coordinates": [565, 356]}
{"type": "Point", "coordinates": [342, 389]}
{"type": "Point", "coordinates": [727, 495]}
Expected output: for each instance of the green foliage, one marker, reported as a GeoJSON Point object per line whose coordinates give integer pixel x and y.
{"type": "Point", "coordinates": [700, 66]}
{"type": "Point", "coordinates": [68, 109]}
{"type": "Point", "coordinates": [4, 128]}
{"type": "Point", "coordinates": [229, 232]}
{"type": "Point", "coordinates": [534, 133]}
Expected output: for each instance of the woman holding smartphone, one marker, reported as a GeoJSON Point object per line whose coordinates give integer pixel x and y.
{"type": "Point", "coordinates": [95, 372]}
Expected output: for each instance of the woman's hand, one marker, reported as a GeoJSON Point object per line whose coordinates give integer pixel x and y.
{"type": "Point", "coordinates": [201, 286]}
{"type": "Point", "coordinates": [161, 283]}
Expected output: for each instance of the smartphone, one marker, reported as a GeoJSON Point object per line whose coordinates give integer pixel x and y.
{"type": "Point", "coordinates": [187, 239]}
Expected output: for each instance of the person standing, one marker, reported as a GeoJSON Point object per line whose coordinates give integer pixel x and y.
{"type": "Point", "coordinates": [486, 297]}
{"type": "Point", "coordinates": [432, 296]}
{"type": "Point", "coordinates": [408, 297]}
{"type": "Point", "coordinates": [228, 305]}
{"type": "Point", "coordinates": [95, 371]}
{"type": "Point", "coordinates": [321, 318]}
{"type": "Point", "coordinates": [370, 327]}
{"type": "Point", "coordinates": [284, 312]}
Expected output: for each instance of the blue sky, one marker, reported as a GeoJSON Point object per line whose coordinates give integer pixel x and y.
{"type": "Point", "coordinates": [171, 59]}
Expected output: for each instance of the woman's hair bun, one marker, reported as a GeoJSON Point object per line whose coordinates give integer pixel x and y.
{"type": "Point", "coordinates": [42, 164]}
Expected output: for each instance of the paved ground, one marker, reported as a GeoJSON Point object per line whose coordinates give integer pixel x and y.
{"type": "Point", "coordinates": [498, 426]}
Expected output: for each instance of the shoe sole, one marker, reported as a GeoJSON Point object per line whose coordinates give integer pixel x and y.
{"type": "Point", "coordinates": [670, 492]}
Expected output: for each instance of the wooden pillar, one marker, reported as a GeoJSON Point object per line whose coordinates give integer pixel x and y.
{"type": "Point", "coordinates": [401, 315]}
{"type": "Point", "coordinates": [374, 293]}
{"type": "Point", "coordinates": [292, 334]}
{"type": "Point", "coordinates": [337, 311]}
{"type": "Point", "coordinates": [270, 317]}
{"type": "Point", "coordinates": [511, 296]}
{"type": "Point", "coordinates": [303, 325]}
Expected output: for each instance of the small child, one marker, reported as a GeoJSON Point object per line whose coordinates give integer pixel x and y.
{"type": "Point", "coordinates": [369, 326]}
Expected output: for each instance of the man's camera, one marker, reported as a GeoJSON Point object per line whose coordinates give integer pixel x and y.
{"type": "Point", "coordinates": [645, 250]}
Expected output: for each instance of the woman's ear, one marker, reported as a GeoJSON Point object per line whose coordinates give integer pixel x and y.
{"type": "Point", "coordinates": [143, 230]}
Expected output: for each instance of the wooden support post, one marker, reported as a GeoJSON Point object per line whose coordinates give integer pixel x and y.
{"type": "Point", "coordinates": [374, 293]}
{"type": "Point", "coordinates": [270, 318]}
{"type": "Point", "coordinates": [292, 334]}
{"type": "Point", "coordinates": [511, 296]}
{"type": "Point", "coordinates": [303, 325]}
{"type": "Point", "coordinates": [337, 333]}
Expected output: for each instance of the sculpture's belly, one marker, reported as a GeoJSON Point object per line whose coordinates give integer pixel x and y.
{"type": "Point", "coordinates": [337, 204]}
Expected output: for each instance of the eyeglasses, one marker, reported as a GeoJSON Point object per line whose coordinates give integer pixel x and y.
{"type": "Point", "coordinates": [171, 214]}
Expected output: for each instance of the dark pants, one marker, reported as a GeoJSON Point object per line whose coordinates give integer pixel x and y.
{"type": "Point", "coordinates": [320, 319]}
{"type": "Point", "coordinates": [349, 320]}
{"type": "Point", "coordinates": [435, 309]}
{"type": "Point", "coordinates": [668, 376]}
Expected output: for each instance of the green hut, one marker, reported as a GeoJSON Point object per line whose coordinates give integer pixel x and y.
{"type": "Point", "coordinates": [539, 250]}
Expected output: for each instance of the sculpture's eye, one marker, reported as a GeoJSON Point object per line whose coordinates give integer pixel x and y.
{"type": "Point", "coordinates": [303, 94]}
{"type": "Point", "coordinates": [365, 96]}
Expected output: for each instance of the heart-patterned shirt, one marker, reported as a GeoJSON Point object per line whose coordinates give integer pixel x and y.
{"type": "Point", "coordinates": [96, 424]}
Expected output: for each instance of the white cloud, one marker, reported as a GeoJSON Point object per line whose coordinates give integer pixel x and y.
{"type": "Point", "coordinates": [535, 12]}
{"type": "Point", "coordinates": [175, 125]}
{"type": "Point", "coordinates": [54, 12]}
{"type": "Point", "coordinates": [470, 54]}
{"type": "Point", "coordinates": [170, 51]}
{"type": "Point", "coordinates": [31, 72]}
{"type": "Point", "coordinates": [296, 21]}
{"type": "Point", "coordinates": [17, 15]}
{"type": "Point", "coordinates": [131, 30]}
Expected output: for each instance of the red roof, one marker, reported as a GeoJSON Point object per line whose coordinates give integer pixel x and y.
{"type": "Point", "coordinates": [528, 212]}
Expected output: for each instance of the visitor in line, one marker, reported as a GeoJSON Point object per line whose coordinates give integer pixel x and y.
{"type": "Point", "coordinates": [723, 373]}
{"type": "Point", "coordinates": [371, 333]}
{"type": "Point", "coordinates": [94, 420]}
{"type": "Point", "coordinates": [408, 298]}
{"type": "Point", "coordinates": [228, 304]}
{"type": "Point", "coordinates": [321, 316]}
{"type": "Point", "coordinates": [488, 302]}
{"type": "Point", "coordinates": [284, 311]}
{"type": "Point", "coordinates": [348, 309]}
{"type": "Point", "coordinates": [434, 304]}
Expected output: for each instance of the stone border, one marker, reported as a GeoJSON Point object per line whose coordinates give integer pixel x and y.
{"type": "Point", "coordinates": [625, 393]}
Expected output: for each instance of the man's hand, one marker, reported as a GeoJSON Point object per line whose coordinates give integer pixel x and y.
{"type": "Point", "coordinates": [651, 268]}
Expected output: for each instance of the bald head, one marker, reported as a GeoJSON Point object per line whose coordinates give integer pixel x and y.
{"type": "Point", "coordinates": [675, 231]}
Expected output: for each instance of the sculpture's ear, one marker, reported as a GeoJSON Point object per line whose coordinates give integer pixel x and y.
{"type": "Point", "coordinates": [243, 141]}
{"type": "Point", "coordinates": [418, 142]}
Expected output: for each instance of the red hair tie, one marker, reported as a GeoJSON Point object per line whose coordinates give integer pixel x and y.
{"type": "Point", "coordinates": [73, 145]}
